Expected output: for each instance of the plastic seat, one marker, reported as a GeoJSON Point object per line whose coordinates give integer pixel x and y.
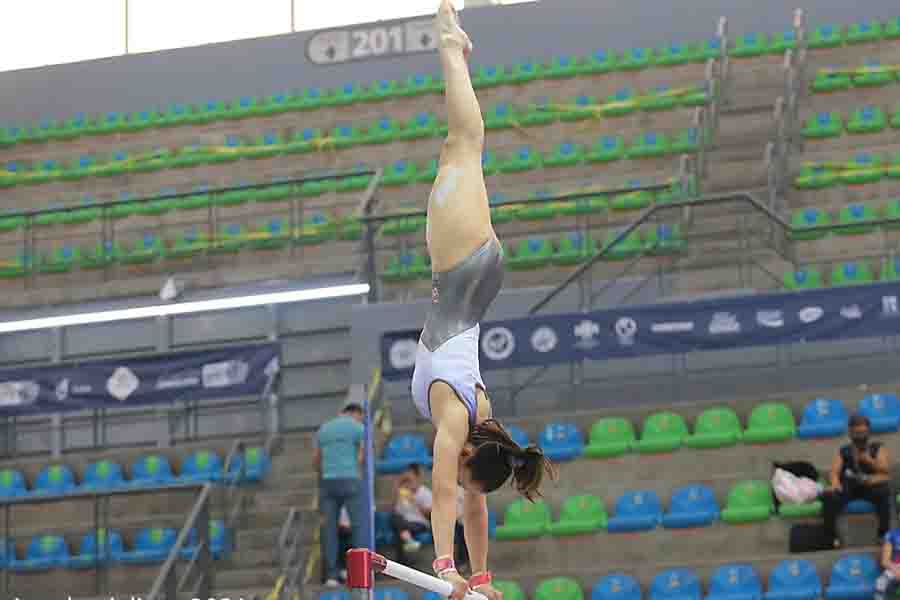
{"type": "Point", "coordinates": [417, 85]}
{"type": "Point", "coordinates": [620, 103]}
{"type": "Point", "coordinates": [539, 112]}
{"type": "Point", "coordinates": [895, 123]}
{"type": "Point", "coordinates": [675, 54]}
{"type": "Point", "coordinates": [883, 412]}
{"type": "Point", "coordinates": [404, 450]}
{"type": "Point", "coordinates": [715, 428]}
{"type": "Point", "coordinates": [617, 586]}
{"type": "Point", "coordinates": [219, 541]}
{"type": "Point", "coordinates": [399, 267]}
{"type": "Point", "coordinates": [691, 506]}
{"type": "Point", "coordinates": [563, 67]}
{"type": "Point", "coordinates": [510, 590]}
{"type": "Point", "coordinates": [574, 248]}
{"type": "Point", "coordinates": [635, 59]}
{"type": "Point", "coordinates": [826, 36]}
{"type": "Point", "coordinates": [561, 442]}
{"type": "Point", "coordinates": [316, 229]}
{"type": "Point", "coordinates": [201, 466]}
{"type": "Point", "coordinates": [12, 484]}
{"type": "Point", "coordinates": [858, 218]}
{"type": "Point", "coordinates": [390, 593]}
{"type": "Point", "coordinates": [525, 158]}
{"type": "Point", "coordinates": [490, 76]}
{"type": "Point", "coordinates": [804, 219]}
{"type": "Point", "coordinates": [675, 584]}
{"type": "Point", "coordinates": [609, 148]}
{"type": "Point", "coordinates": [400, 172]}
{"type": "Point", "coordinates": [794, 580]}
{"type": "Point", "coordinates": [559, 588]}
{"type": "Point", "coordinates": [151, 470]}
{"type": "Point", "coordinates": [144, 250]}
{"type": "Point", "coordinates": [862, 168]}
{"type": "Point", "coordinates": [346, 136]}
{"type": "Point", "coordinates": [710, 48]}
{"type": "Point", "coordinates": [381, 90]}
{"type": "Point", "coordinates": [635, 511]}
{"type": "Point", "coordinates": [103, 475]}
{"type": "Point", "coordinates": [538, 211]}
{"type": "Point", "coordinates": [54, 480]}
{"type": "Point", "coordinates": [686, 142]}
{"type": "Point", "coordinates": [423, 125]}
{"type": "Point", "coordinates": [384, 530]}
{"type": "Point", "coordinates": [152, 545]}
{"type": "Point", "coordinates": [610, 436]}
{"type": "Point", "coordinates": [383, 131]}
{"type": "Point", "coordinates": [566, 154]}
{"type": "Point", "coordinates": [823, 125]}
{"type": "Point", "coordinates": [664, 239]}
{"type": "Point", "coordinates": [750, 45]}
{"type": "Point", "coordinates": [823, 417]}
{"type": "Point", "coordinates": [735, 582]}
{"type": "Point", "coordinates": [808, 278]}
{"type": "Point", "coordinates": [190, 243]}
{"type": "Point", "coordinates": [892, 28]}
{"type": "Point", "coordinates": [636, 199]}
{"type": "Point", "coordinates": [532, 253]}
{"type": "Point", "coordinates": [749, 502]}
{"type": "Point", "coordinates": [660, 97]}
{"type": "Point", "coordinates": [255, 462]}
{"type": "Point", "coordinates": [867, 119]}
{"type": "Point", "coordinates": [580, 515]}
{"type": "Point", "coordinates": [814, 176]}
{"type": "Point", "coordinates": [829, 79]}
{"type": "Point", "coordinates": [661, 432]}
{"type": "Point", "coordinates": [272, 234]}
{"type": "Point", "coordinates": [524, 519]}
{"type": "Point", "coordinates": [600, 61]}
{"type": "Point", "coordinates": [101, 255]}
{"type": "Point", "coordinates": [59, 260]}
{"type": "Point", "coordinates": [500, 116]}
{"type": "Point", "coordinates": [783, 41]}
{"type": "Point", "coordinates": [648, 145]}
{"type": "Point", "coordinates": [852, 578]}
{"type": "Point", "coordinates": [872, 74]}
{"type": "Point", "coordinates": [517, 434]}
{"type": "Point", "coordinates": [851, 273]}
{"type": "Point", "coordinates": [770, 422]}
{"type": "Point", "coordinates": [890, 270]}
{"type": "Point", "coordinates": [580, 108]}
{"type": "Point", "coordinates": [97, 546]}
{"type": "Point", "coordinates": [334, 595]}
{"type": "Point", "coordinates": [44, 552]}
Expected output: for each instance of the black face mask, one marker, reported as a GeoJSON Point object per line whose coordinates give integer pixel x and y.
{"type": "Point", "coordinates": [860, 441]}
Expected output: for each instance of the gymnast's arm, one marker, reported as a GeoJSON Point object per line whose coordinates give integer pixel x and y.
{"type": "Point", "coordinates": [475, 525]}
{"type": "Point", "coordinates": [449, 440]}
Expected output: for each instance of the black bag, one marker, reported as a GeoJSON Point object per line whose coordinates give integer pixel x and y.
{"type": "Point", "coordinates": [809, 537]}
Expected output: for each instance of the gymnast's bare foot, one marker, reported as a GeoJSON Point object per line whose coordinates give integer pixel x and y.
{"type": "Point", "coordinates": [450, 34]}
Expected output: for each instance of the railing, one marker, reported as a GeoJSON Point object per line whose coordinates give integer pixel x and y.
{"type": "Point", "coordinates": [292, 559]}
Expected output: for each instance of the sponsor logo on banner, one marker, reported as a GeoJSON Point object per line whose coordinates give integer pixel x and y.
{"type": "Point", "coordinates": [225, 374]}
{"type": "Point", "coordinates": [889, 306]}
{"type": "Point", "coordinates": [851, 312]}
{"type": "Point", "coordinates": [272, 367]}
{"type": "Point", "coordinates": [62, 390]}
{"type": "Point", "coordinates": [811, 314]}
{"type": "Point", "coordinates": [403, 354]}
{"type": "Point", "coordinates": [772, 319]}
{"type": "Point", "coordinates": [586, 333]}
{"type": "Point", "coordinates": [544, 339]}
{"type": "Point", "coordinates": [174, 381]}
{"type": "Point", "coordinates": [724, 322]}
{"type": "Point", "coordinates": [498, 343]}
{"type": "Point", "coordinates": [673, 327]}
{"type": "Point", "coordinates": [19, 393]}
{"type": "Point", "coordinates": [122, 383]}
{"type": "Point", "coordinates": [626, 330]}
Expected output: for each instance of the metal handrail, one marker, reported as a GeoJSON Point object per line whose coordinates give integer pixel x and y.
{"type": "Point", "coordinates": [291, 558]}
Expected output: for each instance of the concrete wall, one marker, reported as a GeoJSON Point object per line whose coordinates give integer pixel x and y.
{"type": "Point", "coordinates": [501, 35]}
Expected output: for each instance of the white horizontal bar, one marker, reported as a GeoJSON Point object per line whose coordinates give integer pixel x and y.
{"type": "Point", "coordinates": [424, 581]}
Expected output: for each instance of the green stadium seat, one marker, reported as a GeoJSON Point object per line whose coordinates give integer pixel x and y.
{"type": "Point", "coordinates": [750, 45]}
{"type": "Point", "coordinates": [610, 437]}
{"type": "Point", "coordinates": [525, 158]}
{"type": "Point", "coordinates": [198, 200]}
{"type": "Point", "coordinates": [559, 588]}
{"type": "Point", "coordinates": [177, 114]}
{"type": "Point", "coordinates": [807, 510]}
{"type": "Point", "coordinates": [540, 112]}
{"type": "Point", "coordinates": [538, 211]}
{"type": "Point", "coordinates": [805, 218]}
{"type": "Point", "coordinates": [662, 432]}
{"type": "Point", "coordinates": [417, 85]}
{"type": "Point", "coordinates": [399, 267]}
{"type": "Point", "coordinates": [831, 80]}
{"type": "Point", "coordinates": [190, 243]}
{"type": "Point", "coordinates": [715, 428]}
{"type": "Point", "coordinates": [523, 520]}
{"type": "Point", "coordinates": [532, 253]}
{"type": "Point", "coordinates": [353, 183]}
{"type": "Point", "coordinates": [350, 229]}
{"type": "Point", "coordinates": [892, 211]}
{"type": "Point", "coordinates": [563, 67]}
{"type": "Point", "coordinates": [272, 193]}
{"type": "Point", "coordinates": [770, 422]}
{"type": "Point", "coordinates": [862, 169]}
{"type": "Point", "coordinates": [429, 173]}
{"type": "Point", "coordinates": [70, 128]}
{"type": "Point", "coordinates": [510, 590]}
{"type": "Point", "coordinates": [213, 110]}
{"type": "Point", "coordinates": [892, 28]}
{"type": "Point", "coordinates": [698, 95]}
{"type": "Point", "coordinates": [267, 145]}
{"type": "Point", "coordinates": [383, 89]}
{"type": "Point", "coordinates": [243, 107]}
{"type": "Point", "coordinates": [118, 163]}
{"type": "Point", "coordinates": [16, 267]}
{"type": "Point", "coordinates": [895, 117]}
{"type": "Point", "coordinates": [46, 130]}
{"type": "Point", "coordinates": [873, 74]}
{"type": "Point", "coordinates": [313, 98]}
{"type": "Point", "coordinates": [664, 239]}
{"type": "Point", "coordinates": [661, 97]}
{"type": "Point", "coordinates": [580, 515]}
{"type": "Point", "coordinates": [89, 212]}
{"type": "Point", "coordinates": [867, 119]}
{"type": "Point", "coordinates": [631, 245]}
{"type": "Point", "coordinates": [59, 260]}
{"type": "Point", "coordinates": [230, 238]}
{"type": "Point", "coordinates": [349, 93]}
{"type": "Point", "coordinates": [384, 131]}
{"type": "Point", "coordinates": [316, 229]}
{"type": "Point", "coordinates": [526, 72]}
{"type": "Point", "coordinates": [157, 159]}
{"type": "Point", "coordinates": [8, 224]}
{"type": "Point", "coordinates": [783, 41]}
{"type": "Point", "coordinates": [583, 107]}
{"type": "Point", "coordinates": [636, 59]}
{"type": "Point", "coordinates": [400, 172]}
{"type": "Point", "coordinates": [632, 200]}
{"type": "Point", "coordinates": [191, 156]}
{"type": "Point", "coordinates": [686, 142]}
{"type": "Point", "coordinates": [232, 151]}
{"type": "Point", "coordinates": [809, 278]}
{"type": "Point", "coordinates": [574, 248]}
{"type": "Point", "coordinates": [587, 204]}
{"type": "Point", "coordinates": [622, 102]}
{"type": "Point", "coordinates": [49, 219]}
{"type": "Point", "coordinates": [607, 149]}
{"type": "Point", "coordinates": [826, 36]}
{"type": "Point", "coordinates": [851, 273]}
{"type": "Point", "coordinates": [346, 136]}
{"type": "Point", "coordinates": [675, 54]}
{"type": "Point", "coordinates": [678, 191]}
{"type": "Point", "coordinates": [861, 218]}
{"type": "Point", "coordinates": [890, 269]}
{"type": "Point", "coordinates": [112, 122]}
{"type": "Point", "coordinates": [566, 154]}
{"type": "Point", "coordinates": [893, 169]}
{"type": "Point", "coordinates": [403, 226]}
{"type": "Point", "coordinates": [749, 502]}
{"type": "Point", "coordinates": [490, 76]}
{"type": "Point", "coordinates": [709, 49]}
{"type": "Point", "coordinates": [815, 176]}
{"type": "Point", "coordinates": [600, 61]}
{"type": "Point", "coordinates": [272, 234]}
{"type": "Point", "coordinates": [102, 255]}
{"type": "Point", "coordinates": [500, 116]}
{"type": "Point", "coordinates": [865, 32]}
{"type": "Point", "coordinates": [823, 125]}
{"type": "Point", "coordinates": [423, 125]}
{"type": "Point", "coordinates": [648, 145]}
{"type": "Point", "coordinates": [158, 207]}
{"type": "Point", "coordinates": [304, 141]}
{"type": "Point", "coordinates": [143, 250]}
{"type": "Point", "coordinates": [279, 103]}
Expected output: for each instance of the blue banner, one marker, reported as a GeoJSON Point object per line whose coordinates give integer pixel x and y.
{"type": "Point", "coordinates": [673, 328]}
{"type": "Point", "coordinates": [200, 375]}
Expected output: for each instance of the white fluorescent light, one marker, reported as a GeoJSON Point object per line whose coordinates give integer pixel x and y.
{"type": "Point", "coordinates": [162, 310]}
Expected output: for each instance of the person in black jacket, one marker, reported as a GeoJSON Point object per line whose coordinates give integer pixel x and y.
{"type": "Point", "coordinates": [860, 470]}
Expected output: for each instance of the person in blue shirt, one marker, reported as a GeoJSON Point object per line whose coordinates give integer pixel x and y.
{"type": "Point", "coordinates": [887, 582]}
{"type": "Point", "coordinates": [337, 458]}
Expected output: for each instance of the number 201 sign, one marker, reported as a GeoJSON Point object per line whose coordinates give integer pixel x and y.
{"type": "Point", "coordinates": [376, 41]}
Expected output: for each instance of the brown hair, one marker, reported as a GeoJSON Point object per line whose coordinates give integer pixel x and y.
{"type": "Point", "coordinates": [496, 456]}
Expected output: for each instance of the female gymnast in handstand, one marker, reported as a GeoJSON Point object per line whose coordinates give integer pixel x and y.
{"type": "Point", "coordinates": [471, 449]}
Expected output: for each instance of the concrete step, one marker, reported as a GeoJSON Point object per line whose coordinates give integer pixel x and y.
{"type": "Point", "coordinates": [246, 578]}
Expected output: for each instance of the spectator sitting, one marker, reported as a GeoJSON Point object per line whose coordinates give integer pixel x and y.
{"type": "Point", "coordinates": [412, 510]}
{"type": "Point", "coordinates": [860, 470]}
{"type": "Point", "coordinates": [887, 583]}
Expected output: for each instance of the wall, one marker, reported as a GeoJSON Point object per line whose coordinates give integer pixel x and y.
{"type": "Point", "coordinates": [501, 35]}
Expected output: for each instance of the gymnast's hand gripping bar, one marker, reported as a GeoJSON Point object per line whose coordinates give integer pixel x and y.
{"type": "Point", "coordinates": [361, 563]}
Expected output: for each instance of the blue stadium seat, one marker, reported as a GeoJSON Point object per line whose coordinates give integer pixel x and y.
{"type": "Point", "coordinates": [152, 545]}
{"type": "Point", "coordinates": [54, 479]}
{"type": "Point", "coordinates": [103, 475]}
{"type": "Point", "coordinates": [883, 411]}
{"type": "Point", "coordinates": [12, 484]}
{"type": "Point", "coordinates": [201, 466]}
{"type": "Point", "coordinates": [97, 545]}
{"type": "Point", "coordinates": [562, 441]}
{"type": "Point", "coordinates": [517, 434]}
{"type": "Point", "coordinates": [334, 595]}
{"type": "Point", "coordinates": [692, 505]}
{"type": "Point", "coordinates": [390, 593]}
{"type": "Point", "coordinates": [256, 464]}
{"type": "Point", "coordinates": [7, 552]}
{"type": "Point", "coordinates": [616, 586]}
{"type": "Point", "coordinates": [636, 511]}
{"type": "Point", "coordinates": [219, 541]}
{"type": "Point", "coordinates": [735, 582]}
{"type": "Point", "coordinates": [675, 584]}
{"type": "Point", "coordinates": [852, 578]}
{"type": "Point", "coordinates": [823, 417]}
{"type": "Point", "coordinates": [150, 470]}
{"type": "Point", "coordinates": [859, 507]}
{"type": "Point", "coordinates": [44, 552]}
{"type": "Point", "coordinates": [404, 450]}
{"type": "Point", "coordinates": [794, 580]}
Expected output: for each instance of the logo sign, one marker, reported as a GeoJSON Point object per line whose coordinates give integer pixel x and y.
{"type": "Point", "coordinates": [367, 42]}
{"type": "Point", "coordinates": [586, 333]}
{"type": "Point", "coordinates": [225, 374]}
{"type": "Point", "coordinates": [673, 327]}
{"type": "Point", "coordinates": [498, 343]}
{"type": "Point", "coordinates": [626, 330]}
{"type": "Point", "coordinates": [811, 314]}
{"type": "Point", "coordinates": [724, 322]}
{"type": "Point", "coordinates": [18, 393]}
{"type": "Point", "coordinates": [122, 384]}
{"type": "Point", "coordinates": [62, 390]}
{"type": "Point", "coordinates": [889, 306]}
{"type": "Point", "coordinates": [772, 319]}
{"type": "Point", "coordinates": [851, 312]}
{"type": "Point", "coordinates": [403, 354]}
{"type": "Point", "coordinates": [544, 339]}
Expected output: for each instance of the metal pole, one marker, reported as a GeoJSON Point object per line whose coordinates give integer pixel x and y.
{"type": "Point", "coordinates": [126, 27]}
{"type": "Point", "coordinates": [370, 263]}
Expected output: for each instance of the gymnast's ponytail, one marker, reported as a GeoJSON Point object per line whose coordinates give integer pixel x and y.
{"type": "Point", "coordinates": [496, 457]}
